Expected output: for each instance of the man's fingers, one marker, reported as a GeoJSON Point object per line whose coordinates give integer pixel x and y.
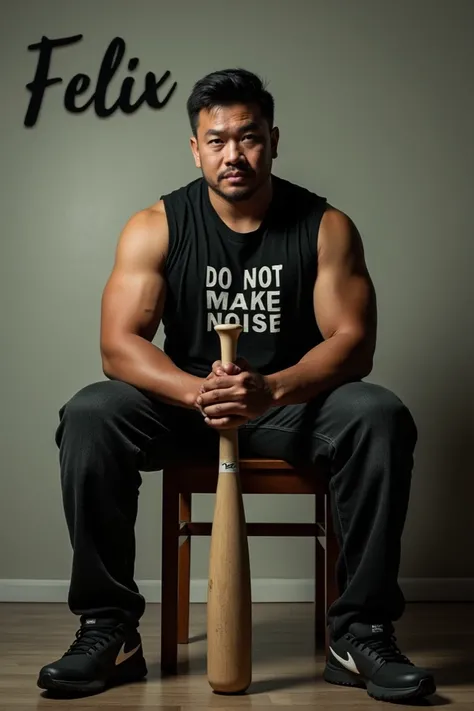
{"type": "Point", "coordinates": [232, 368]}
{"type": "Point", "coordinates": [218, 382]}
{"type": "Point", "coordinates": [220, 368]}
{"type": "Point", "coordinates": [225, 395]}
{"type": "Point", "coordinates": [216, 369]}
{"type": "Point", "coordinates": [228, 369]}
{"type": "Point", "coordinates": [223, 409]}
{"type": "Point", "coordinates": [225, 423]}
{"type": "Point", "coordinates": [242, 364]}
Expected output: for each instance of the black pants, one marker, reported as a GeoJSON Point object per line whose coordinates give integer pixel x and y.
{"type": "Point", "coordinates": [110, 431]}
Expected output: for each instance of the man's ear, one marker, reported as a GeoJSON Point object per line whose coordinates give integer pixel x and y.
{"type": "Point", "coordinates": [275, 137]}
{"type": "Point", "coordinates": [195, 151]}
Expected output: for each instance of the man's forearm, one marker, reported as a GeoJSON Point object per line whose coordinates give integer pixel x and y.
{"type": "Point", "coordinates": [336, 360]}
{"type": "Point", "coordinates": [141, 363]}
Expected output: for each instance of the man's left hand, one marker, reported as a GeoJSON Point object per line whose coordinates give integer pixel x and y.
{"type": "Point", "coordinates": [233, 395]}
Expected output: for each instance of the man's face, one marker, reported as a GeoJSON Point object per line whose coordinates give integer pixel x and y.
{"type": "Point", "coordinates": [234, 150]}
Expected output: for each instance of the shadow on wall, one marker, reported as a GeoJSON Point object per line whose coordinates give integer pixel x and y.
{"type": "Point", "coordinates": [444, 460]}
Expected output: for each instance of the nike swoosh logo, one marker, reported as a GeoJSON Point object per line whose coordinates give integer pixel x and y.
{"type": "Point", "coordinates": [348, 663]}
{"type": "Point", "coordinates": [123, 655]}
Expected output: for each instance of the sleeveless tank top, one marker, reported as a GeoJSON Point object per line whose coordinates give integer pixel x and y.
{"type": "Point", "coordinates": [263, 280]}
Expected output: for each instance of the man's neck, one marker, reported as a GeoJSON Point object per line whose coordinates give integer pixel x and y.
{"type": "Point", "coordinates": [247, 215]}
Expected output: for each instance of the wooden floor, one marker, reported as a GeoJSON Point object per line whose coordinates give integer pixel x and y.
{"type": "Point", "coordinates": [285, 671]}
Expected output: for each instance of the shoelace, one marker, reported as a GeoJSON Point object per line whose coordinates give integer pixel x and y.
{"type": "Point", "coordinates": [385, 647]}
{"type": "Point", "coordinates": [88, 639]}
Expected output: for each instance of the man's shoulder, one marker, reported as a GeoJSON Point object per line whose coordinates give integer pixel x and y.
{"type": "Point", "coordinates": [147, 219]}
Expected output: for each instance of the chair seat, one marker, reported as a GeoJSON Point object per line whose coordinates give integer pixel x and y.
{"type": "Point", "coordinates": [265, 464]}
{"type": "Point", "coordinates": [244, 463]}
{"type": "Point", "coordinates": [257, 476]}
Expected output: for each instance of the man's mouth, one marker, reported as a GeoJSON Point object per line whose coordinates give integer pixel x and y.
{"type": "Point", "coordinates": [235, 176]}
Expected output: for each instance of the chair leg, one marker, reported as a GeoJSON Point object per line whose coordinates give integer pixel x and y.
{"type": "Point", "coordinates": [331, 554]}
{"type": "Point", "coordinates": [169, 575]}
{"type": "Point", "coordinates": [184, 576]}
{"type": "Point", "coordinates": [320, 580]}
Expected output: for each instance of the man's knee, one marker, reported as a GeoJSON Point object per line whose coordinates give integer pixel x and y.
{"type": "Point", "coordinates": [96, 404]}
{"type": "Point", "coordinates": [375, 406]}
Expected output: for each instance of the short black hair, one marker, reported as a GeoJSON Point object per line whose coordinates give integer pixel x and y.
{"type": "Point", "coordinates": [226, 87]}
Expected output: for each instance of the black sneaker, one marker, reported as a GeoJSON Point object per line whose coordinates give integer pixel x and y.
{"type": "Point", "coordinates": [368, 657]}
{"type": "Point", "coordinates": [105, 653]}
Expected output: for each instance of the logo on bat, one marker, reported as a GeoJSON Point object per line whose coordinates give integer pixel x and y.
{"type": "Point", "coordinates": [228, 467]}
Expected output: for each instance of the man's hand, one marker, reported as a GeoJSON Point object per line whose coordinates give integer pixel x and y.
{"type": "Point", "coordinates": [233, 394]}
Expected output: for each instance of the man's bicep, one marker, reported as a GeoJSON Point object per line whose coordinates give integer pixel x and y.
{"type": "Point", "coordinates": [344, 295]}
{"type": "Point", "coordinates": [133, 298]}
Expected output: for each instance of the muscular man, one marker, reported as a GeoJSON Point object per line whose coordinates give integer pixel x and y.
{"type": "Point", "coordinates": [237, 244]}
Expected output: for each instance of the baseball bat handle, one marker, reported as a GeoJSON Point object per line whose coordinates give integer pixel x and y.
{"type": "Point", "coordinates": [228, 334]}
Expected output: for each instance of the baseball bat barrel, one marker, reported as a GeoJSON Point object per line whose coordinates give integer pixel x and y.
{"type": "Point", "coordinates": [229, 602]}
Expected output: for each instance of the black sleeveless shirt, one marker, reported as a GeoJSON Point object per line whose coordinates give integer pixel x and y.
{"type": "Point", "coordinates": [263, 280]}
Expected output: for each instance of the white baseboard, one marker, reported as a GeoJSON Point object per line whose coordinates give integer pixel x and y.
{"type": "Point", "coordinates": [263, 590]}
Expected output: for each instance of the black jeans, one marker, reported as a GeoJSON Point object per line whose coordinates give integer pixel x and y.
{"type": "Point", "coordinates": [110, 431]}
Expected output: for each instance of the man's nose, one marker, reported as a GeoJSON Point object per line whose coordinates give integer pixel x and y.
{"type": "Point", "coordinates": [233, 153]}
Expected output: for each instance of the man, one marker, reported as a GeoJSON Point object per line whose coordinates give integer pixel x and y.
{"type": "Point", "coordinates": [237, 244]}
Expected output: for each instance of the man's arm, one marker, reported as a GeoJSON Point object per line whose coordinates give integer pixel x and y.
{"type": "Point", "coordinates": [346, 313]}
{"type": "Point", "coordinates": [131, 312]}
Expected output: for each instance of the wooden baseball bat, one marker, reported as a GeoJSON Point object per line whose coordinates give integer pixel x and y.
{"type": "Point", "coordinates": [229, 600]}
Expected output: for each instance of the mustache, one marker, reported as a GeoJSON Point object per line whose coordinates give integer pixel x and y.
{"type": "Point", "coordinates": [235, 169]}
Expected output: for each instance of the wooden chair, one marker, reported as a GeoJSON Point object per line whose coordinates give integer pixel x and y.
{"type": "Point", "coordinates": [259, 476]}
